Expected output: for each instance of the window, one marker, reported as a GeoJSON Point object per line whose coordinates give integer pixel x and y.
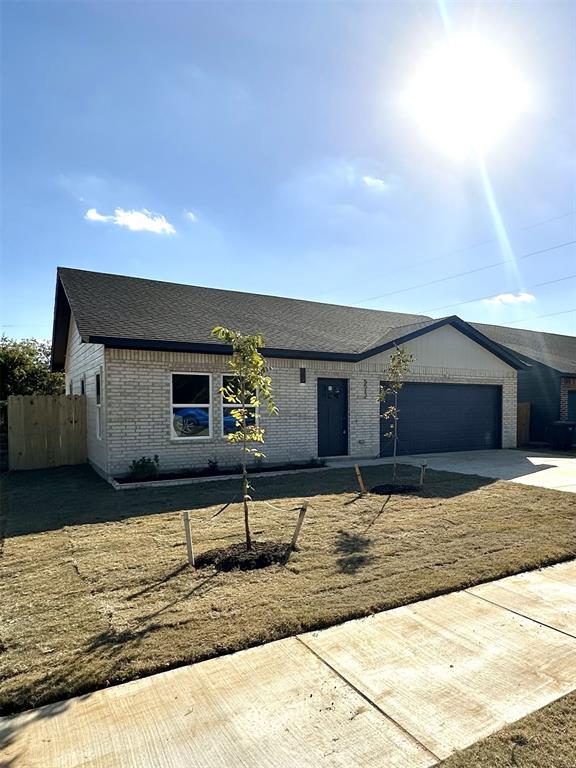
{"type": "Point", "coordinates": [99, 406]}
{"type": "Point", "coordinates": [83, 385]}
{"type": "Point", "coordinates": [190, 415]}
{"type": "Point", "coordinates": [229, 425]}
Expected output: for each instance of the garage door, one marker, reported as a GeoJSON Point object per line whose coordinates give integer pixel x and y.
{"type": "Point", "coordinates": [445, 417]}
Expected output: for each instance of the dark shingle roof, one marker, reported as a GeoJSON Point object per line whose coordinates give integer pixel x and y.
{"type": "Point", "coordinates": [133, 312]}
{"type": "Point", "coordinates": [121, 307]}
{"type": "Point", "coordinates": [552, 349]}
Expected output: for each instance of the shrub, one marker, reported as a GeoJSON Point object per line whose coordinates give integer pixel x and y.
{"type": "Point", "coordinates": [145, 468]}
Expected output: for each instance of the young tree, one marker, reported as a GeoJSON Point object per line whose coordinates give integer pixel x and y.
{"type": "Point", "coordinates": [25, 369]}
{"type": "Point", "coordinates": [398, 367]}
{"type": "Point", "coordinates": [249, 386]}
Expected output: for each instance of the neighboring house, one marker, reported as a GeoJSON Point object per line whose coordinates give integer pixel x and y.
{"type": "Point", "coordinates": [142, 352]}
{"type": "Point", "coordinates": [549, 383]}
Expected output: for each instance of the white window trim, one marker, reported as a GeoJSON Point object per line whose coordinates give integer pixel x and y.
{"type": "Point", "coordinates": [173, 436]}
{"type": "Point", "coordinates": [224, 404]}
{"type": "Point", "coordinates": [98, 404]}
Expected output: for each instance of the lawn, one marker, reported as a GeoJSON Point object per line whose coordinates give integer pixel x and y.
{"type": "Point", "coordinates": [95, 590]}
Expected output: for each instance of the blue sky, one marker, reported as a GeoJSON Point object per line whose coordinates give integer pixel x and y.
{"type": "Point", "coordinates": [263, 147]}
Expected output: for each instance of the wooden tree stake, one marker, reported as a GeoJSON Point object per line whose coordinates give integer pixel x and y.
{"type": "Point", "coordinates": [422, 473]}
{"type": "Point", "coordinates": [189, 546]}
{"type": "Point", "coordinates": [360, 480]}
{"type": "Point", "coordinates": [292, 546]}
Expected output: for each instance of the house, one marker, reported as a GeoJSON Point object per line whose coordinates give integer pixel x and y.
{"type": "Point", "coordinates": [548, 383]}
{"type": "Point", "coordinates": [142, 353]}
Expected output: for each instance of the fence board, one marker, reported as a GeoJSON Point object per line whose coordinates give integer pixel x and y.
{"type": "Point", "coordinates": [46, 431]}
{"type": "Point", "coordinates": [523, 425]}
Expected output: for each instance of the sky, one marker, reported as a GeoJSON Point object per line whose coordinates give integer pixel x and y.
{"type": "Point", "coordinates": [267, 147]}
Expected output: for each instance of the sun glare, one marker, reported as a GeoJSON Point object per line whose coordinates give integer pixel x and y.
{"type": "Point", "coordinates": [465, 95]}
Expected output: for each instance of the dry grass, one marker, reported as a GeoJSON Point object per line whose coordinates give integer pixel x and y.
{"type": "Point", "coordinates": [94, 588]}
{"type": "Point", "coordinates": [544, 739]}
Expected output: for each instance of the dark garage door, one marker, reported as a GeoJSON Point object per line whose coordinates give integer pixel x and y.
{"type": "Point", "coordinates": [445, 417]}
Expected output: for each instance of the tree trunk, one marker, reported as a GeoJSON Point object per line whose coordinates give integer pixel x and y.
{"type": "Point", "coordinates": [244, 471]}
{"type": "Point", "coordinates": [246, 511]}
{"type": "Point", "coordinates": [395, 436]}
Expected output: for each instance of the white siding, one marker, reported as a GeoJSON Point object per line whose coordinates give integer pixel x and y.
{"type": "Point", "coordinates": [85, 361]}
{"type": "Point", "coordinates": [446, 347]}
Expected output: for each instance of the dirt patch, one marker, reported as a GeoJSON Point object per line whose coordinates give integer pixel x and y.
{"type": "Point", "coordinates": [215, 471]}
{"type": "Point", "coordinates": [390, 489]}
{"type": "Point", "coordinates": [237, 557]}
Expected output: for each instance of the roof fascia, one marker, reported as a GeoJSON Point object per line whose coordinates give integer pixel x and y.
{"type": "Point", "coordinates": [60, 327]}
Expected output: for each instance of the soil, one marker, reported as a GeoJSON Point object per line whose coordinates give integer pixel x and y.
{"type": "Point", "coordinates": [388, 489]}
{"type": "Point", "coordinates": [215, 472]}
{"type": "Point", "coordinates": [237, 557]}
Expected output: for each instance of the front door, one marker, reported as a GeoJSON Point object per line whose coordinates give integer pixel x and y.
{"type": "Point", "coordinates": [332, 417]}
{"type": "Point", "coordinates": [572, 405]}
{"type": "Point", "coordinates": [572, 410]}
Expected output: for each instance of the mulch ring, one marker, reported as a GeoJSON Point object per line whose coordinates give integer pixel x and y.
{"type": "Point", "coordinates": [237, 557]}
{"type": "Point", "coordinates": [387, 489]}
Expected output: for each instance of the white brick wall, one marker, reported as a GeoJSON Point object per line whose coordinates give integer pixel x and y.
{"type": "Point", "coordinates": [83, 361]}
{"type": "Point", "coordinates": [138, 407]}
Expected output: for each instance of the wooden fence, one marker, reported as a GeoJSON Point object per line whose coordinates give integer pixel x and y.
{"type": "Point", "coordinates": [523, 425]}
{"type": "Point", "coordinates": [46, 431]}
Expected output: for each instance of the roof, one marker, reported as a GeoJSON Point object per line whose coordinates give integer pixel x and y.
{"type": "Point", "coordinates": [131, 312]}
{"type": "Point", "coordinates": [552, 349]}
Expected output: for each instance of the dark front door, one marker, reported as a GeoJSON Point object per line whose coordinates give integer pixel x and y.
{"type": "Point", "coordinates": [332, 417]}
{"type": "Point", "coordinates": [572, 405]}
{"type": "Point", "coordinates": [572, 410]}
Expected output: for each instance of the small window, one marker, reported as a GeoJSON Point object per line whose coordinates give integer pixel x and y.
{"type": "Point", "coordinates": [190, 415]}
{"type": "Point", "coordinates": [229, 425]}
{"type": "Point", "coordinates": [83, 385]}
{"type": "Point", "coordinates": [98, 406]}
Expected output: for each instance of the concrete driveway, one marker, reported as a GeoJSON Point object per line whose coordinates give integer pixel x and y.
{"type": "Point", "coordinates": [526, 467]}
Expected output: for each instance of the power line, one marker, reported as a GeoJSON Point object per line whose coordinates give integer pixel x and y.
{"type": "Point", "coordinates": [479, 244]}
{"type": "Point", "coordinates": [491, 295]}
{"type": "Point", "coordinates": [467, 272]}
{"type": "Point", "coordinates": [535, 317]}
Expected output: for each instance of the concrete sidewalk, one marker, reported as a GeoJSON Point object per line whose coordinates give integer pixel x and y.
{"type": "Point", "coordinates": [401, 689]}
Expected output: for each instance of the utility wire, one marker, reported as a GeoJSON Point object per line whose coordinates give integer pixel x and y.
{"type": "Point", "coordinates": [551, 314]}
{"type": "Point", "coordinates": [491, 295]}
{"type": "Point", "coordinates": [479, 244]}
{"type": "Point", "coordinates": [468, 272]}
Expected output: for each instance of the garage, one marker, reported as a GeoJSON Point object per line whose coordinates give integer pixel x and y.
{"type": "Point", "coordinates": [445, 417]}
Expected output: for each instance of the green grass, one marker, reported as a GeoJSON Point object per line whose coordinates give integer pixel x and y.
{"type": "Point", "coordinates": [544, 739]}
{"type": "Point", "coordinates": [95, 590]}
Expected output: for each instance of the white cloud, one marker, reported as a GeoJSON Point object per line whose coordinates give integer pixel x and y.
{"type": "Point", "coordinates": [135, 221]}
{"type": "Point", "coordinates": [191, 216]}
{"type": "Point", "coordinates": [511, 298]}
{"type": "Point", "coordinates": [379, 185]}
{"type": "Point", "coordinates": [93, 215]}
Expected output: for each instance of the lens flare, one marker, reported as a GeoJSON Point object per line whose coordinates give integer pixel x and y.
{"type": "Point", "coordinates": [465, 95]}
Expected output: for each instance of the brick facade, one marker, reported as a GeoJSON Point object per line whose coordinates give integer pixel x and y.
{"type": "Point", "coordinates": [83, 362]}
{"type": "Point", "coordinates": [138, 407]}
{"type": "Point", "coordinates": [566, 385]}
